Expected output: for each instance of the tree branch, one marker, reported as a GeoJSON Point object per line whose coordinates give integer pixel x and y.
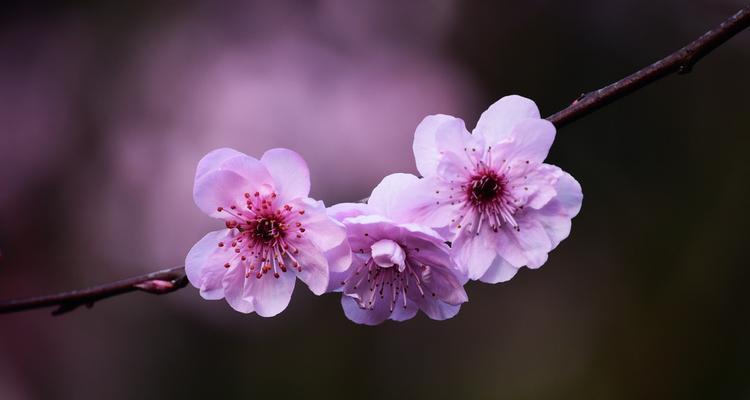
{"type": "Point", "coordinates": [170, 280]}
{"type": "Point", "coordinates": [159, 282]}
{"type": "Point", "coordinates": [681, 61]}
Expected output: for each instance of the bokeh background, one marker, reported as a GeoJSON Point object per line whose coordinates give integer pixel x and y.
{"type": "Point", "coordinates": [106, 107]}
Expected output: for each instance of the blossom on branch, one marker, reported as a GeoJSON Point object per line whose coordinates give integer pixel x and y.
{"type": "Point", "coordinates": [490, 192]}
{"type": "Point", "coordinates": [274, 232]}
{"type": "Point", "coordinates": [397, 267]}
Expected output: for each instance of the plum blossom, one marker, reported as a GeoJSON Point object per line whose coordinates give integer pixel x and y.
{"type": "Point", "coordinates": [490, 192]}
{"type": "Point", "coordinates": [274, 232]}
{"type": "Point", "coordinates": [397, 267]}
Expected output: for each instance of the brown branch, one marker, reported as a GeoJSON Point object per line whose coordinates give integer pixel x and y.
{"type": "Point", "coordinates": [681, 61]}
{"type": "Point", "coordinates": [159, 282]}
{"type": "Point", "coordinates": [170, 280]}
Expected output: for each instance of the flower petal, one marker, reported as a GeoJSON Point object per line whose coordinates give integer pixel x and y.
{"type": "Point", "coordinates": [499, 271]}
{"type": "Point", "coordinates": [237, 290]}
{"type": "Point", "coordinates": [432, 205]}
{"type": "Point", "coordinates": [377, 315]}
{"type": "Point", "coordinates": [569, 194]}
{"type": "Point", "coordinates": [401, 313]}
{"type": "Point", "coordinates": [386, 254]}
{"type": "Point", "coordinates": [442, 282]}
{"type": "Point", "coordinates": [341, 211]}
{"type": "Point", "coordinates": [397, 196]}
{"type": "Point", "coordinates": [322, 230]}
{"type": "Point", "coordinates": [214, 159]}
{"type": "Point", "coordinates": [429, 138]}
{"type": "Point", "coordinates": [436, 309]}
{"type": "Point", "coordinates": [498, 121]}
{"type": "Point", "coordinates": [364, 230]}
{"type": "Point", "coordinates": [474, 253]}
{"type": "Point", "coordinates": [529, 246]}
{"type": "Point", "coordinates": [314, 266]}
{"type": "Point", "coordinates": [340, 257]}
{"type": "Point", "coordinates": [220, 188]}
{"type": "Point", "coordinates": [204, 264]}
{"type": "Point", "coordinates": [555, 216]}
{"type": "Point", "coordinates": [250, 168]}
{"type": "Point", "coordinates": [536, 187]}
{"type": "Point", "coordinates": [271, 295]}
{"type": "Point", "coordinates": [289, 171]}
{"type": "Point", "coordinates": [532, 139]}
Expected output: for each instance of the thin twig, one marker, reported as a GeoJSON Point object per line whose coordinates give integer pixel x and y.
{"type": "Point", "coordinates": [159, 282]}
{"type": "Point", "coordinates": [681, 62]}
{"type": "Point", "coordinates": [170, 280]}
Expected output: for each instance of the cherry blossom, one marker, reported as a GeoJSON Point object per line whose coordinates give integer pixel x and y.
{"type": "Point", "coordinates": [398, 267]}
{"type": "Point", "coordinates": [490, 193]}
{"type": "Point", "coordinates": [274, 233]}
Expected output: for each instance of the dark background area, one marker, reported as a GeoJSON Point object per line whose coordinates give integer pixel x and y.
{"type": "Point", "coordinates": [106, 107]}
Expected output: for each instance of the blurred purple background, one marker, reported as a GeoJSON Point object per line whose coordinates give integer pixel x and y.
{"type": "Point", "coordinates": [105, 109]}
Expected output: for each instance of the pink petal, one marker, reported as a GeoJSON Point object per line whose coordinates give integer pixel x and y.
{"type": "Point", "coordinates": [499, 271]}
{"type": "Point", "coordinates": [271, 295]}
{"type": "Point", "coordinates": [220, 188]}
{"type": "Point", "coordinates": [397, 196]}
{"type": "Point", "coordinates": [429, 209]}
{"type": "Point", "coordinates": [555, 217]}
{"type": "Point", "coordinates": [535, 187]}
{"type": "Point", "coordinates": [249, 168]}
{"type": "Point", "coordinates": [386, 253]}
{"type": "Point", "coordinates": [474, 253]}
{"type": "Point", "coordinates": [325, 232]}
{"type": "Point", "coordinates": [532, 139]}
{"type": "Point", "coordinates": [340, 257]}
{"type": "Point", "coordinates": [402, 314]}
{"type": "Point", "coordinates": [496, 124]}
{"type": "Point", "coordinates": [436, 309]}
{"type": "Point", "coordinates": [364, 230]}
{"type": "Point", "coordinates": [314, 266]}
{"type": "Point", "coordinates": [341, 211]}
{"type": "Point", "coordinates": [289, 171]}
{"type": "Point", "coordinates": [213, 160]}
{"type": "Point", "coordinates": [555, 221]}
{"type": "Point", "coordinates": [529, 246]}
{"type": "Point", "coordinates": [237, 290]}
{"type": "Point", "coordinates": [569, 194]}
{"type": "Point", "coordinates": [204, 264]}
{"type": "Point", "coordinates": [427, 149]}
{"type": "Point", "coordinates": [535, 242]}
{"type": "Point", "coordinates": [366, 316]}
{"type": "Point", "coordinates": [442, 281]}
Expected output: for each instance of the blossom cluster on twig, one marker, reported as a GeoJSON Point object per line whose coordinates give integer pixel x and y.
{"type": "Point", "coordinates": [485, 206]}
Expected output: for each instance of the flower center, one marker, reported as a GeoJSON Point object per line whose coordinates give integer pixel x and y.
{"type": "Point", "coordinates": [268, 229]}
{"type": "Point", "coordinates": [268, 234]}
{"type": "Point", "coordinates": [485, 188]}
{"type": "Point", "coordinates": [389, 274]}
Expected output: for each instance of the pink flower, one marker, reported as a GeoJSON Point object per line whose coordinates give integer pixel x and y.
{"type": "Point", "coordinates": [490, 192]}
{"type": "Point", "coordinates": [274, 231]}
{"type": "Point", "coordinates": [397, 267]}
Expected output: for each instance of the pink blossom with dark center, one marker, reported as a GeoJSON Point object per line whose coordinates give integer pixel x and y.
{"type": "Point", "coordinates": [490, 192]}
{"type": "Point", "coordinates": [397, 267]}
{"type": "Point", "coordinates": [274, 232]}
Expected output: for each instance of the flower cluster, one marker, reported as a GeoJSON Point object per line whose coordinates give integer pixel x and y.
{"type": "Point", "coordinates": [485, 206]}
